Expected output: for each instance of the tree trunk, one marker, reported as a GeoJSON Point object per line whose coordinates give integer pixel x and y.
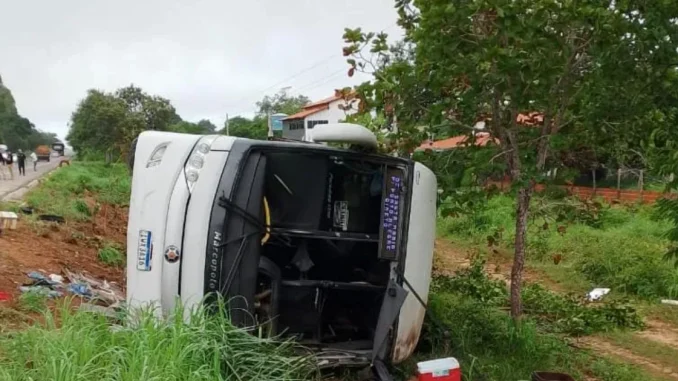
{"type": "Point", "coordinates": [522, 212]}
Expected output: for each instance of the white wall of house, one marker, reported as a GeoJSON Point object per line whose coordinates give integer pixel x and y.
{"type": "Point", "coordinates": [333, 114]}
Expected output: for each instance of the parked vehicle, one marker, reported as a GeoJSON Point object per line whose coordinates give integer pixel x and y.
{"type": "Point", "coordinates": [43, 152]}
{"type": "Point", "coordinates": [331, 246]}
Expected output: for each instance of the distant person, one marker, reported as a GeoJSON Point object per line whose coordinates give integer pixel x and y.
{"type": "Point", "coordinates": [21, 160]}
{"type": "Point", "coordinates": [10, 164]}
{"type": "Point", "coordinates": [3, 165]}
{"type": "Point", "coordinates": [34, 158]}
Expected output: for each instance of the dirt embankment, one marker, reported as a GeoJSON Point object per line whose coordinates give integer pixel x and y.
{"type": "Point", "coordinates": [52, 248]}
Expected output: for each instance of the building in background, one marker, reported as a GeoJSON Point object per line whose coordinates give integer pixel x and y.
{"type": "Point", "coordinates": [334, 109]}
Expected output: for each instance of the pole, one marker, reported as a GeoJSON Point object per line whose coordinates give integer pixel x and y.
{"type": "Point", "coordinates": [270, 130]}
{"type": "Point", "coordinates": [228, 132]}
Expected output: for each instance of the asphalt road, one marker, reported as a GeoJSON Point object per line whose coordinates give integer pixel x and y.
{"type": "Point", "coordinates": [10, 186]}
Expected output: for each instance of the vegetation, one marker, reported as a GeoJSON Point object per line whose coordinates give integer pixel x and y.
{"type": "Point", "coordinates": [79, 345]}
{"type": "Point", "coordinates": [76, 192]}
{"type": "Point", "coordinates": [111, 255]}
{"type": "Point", "coordinates": [257, 127]}
{"type": "Point", "coordinates": [493, 61]}
{"type": "Point", "coordinates": [597, 245]}
{"type": "Point", "coordinates": [18, 132]}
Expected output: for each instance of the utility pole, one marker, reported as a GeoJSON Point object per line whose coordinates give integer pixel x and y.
{"type": "Point", "coordinates": [228, 132]}
{"type": "Point", "coordinates": [270, 129]}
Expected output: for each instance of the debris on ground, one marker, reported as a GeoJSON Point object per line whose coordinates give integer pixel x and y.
{"type": "Point", "coordinates": [5, 296]}
{"type": "Point", "coordinates": [85, 286]}
{"type": "Point", "coordinates": [670, 302]}
{"type": "Point", "coordinates": [8, 220]}
{"type": "Point", "coordinates": [598, 293]}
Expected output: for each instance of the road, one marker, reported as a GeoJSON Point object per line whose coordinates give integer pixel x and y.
{"type": "Point", "coordinates": [9, 188]}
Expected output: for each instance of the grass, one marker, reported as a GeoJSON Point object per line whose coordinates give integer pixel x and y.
{"type": "Point", "coordinates": [75, 191]}
{"type": "Point", "coordinates": [75, 345]}
{"type": "Point", "coordinates": [618, 247]}
{"type": "Point", "coordinates": [111, 255]}
{"type": "Point", "coordinates": [647, 348]}
{"type": "Point", "coordinates": [33, 302]}
{"type": "Point", "coordinates": [490, 346]}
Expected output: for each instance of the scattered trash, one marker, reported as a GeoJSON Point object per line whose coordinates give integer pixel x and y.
{"type": "Point", "coordinates": [5, 296]}
{"type": "Point", "coordinates": [41, 290]}
{"type": "Point", "coordinates": [598, 293]}
{"type": "Point", "coordinates": [79, 289]}
{"type": "Point", "coordinates": [8, 220]}
{"type": "Point", "coordinates": [89, 288]}
{"type": "Point", "coordinates": [56, 278]}
{"type": "Point", "coordinates": [101, 290]}
{"type": "Point", "coordinates": [670, 302]}
{"type": "Point", "coordinates": [26, 210]}
{"type": "Point", "coordinates": [51, 218]}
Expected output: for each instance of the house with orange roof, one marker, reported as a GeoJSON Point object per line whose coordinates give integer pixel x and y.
{"type": "Point", "coordinates": [479, 137]}
{"type": "Point", "coordinates": [329, 110]}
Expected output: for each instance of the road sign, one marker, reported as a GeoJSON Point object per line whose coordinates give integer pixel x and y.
{"type": "Point", "coordinates": [276, 121]}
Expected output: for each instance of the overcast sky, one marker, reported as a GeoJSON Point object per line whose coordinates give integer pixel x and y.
{"type": "Point", "coordinates": [209, 57]}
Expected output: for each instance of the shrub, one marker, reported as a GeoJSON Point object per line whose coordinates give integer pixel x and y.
{"type": "Point", "coordinates": [112, 256]}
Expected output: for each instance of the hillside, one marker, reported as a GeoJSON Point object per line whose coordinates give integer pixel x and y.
{"type": "Point", "coordinates": [17, 131]}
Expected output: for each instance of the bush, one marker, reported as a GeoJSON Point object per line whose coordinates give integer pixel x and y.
{"type": "Point", "coordinates": [112, 256]}
{"type": "Point", "coordinates": [571, 315]}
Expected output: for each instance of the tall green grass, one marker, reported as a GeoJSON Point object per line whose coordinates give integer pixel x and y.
{"type": "Point", "coordinates": [614, 246]}
{"type": "Point", "coordinates": [73, 191]}
{"type": "Point", "coordinates": [82, 346]}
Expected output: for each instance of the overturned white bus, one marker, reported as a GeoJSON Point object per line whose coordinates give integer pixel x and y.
{"type": "Point", "coordinates": [330, 246]}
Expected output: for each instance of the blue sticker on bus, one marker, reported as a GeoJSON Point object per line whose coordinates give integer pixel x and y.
{"type": "Point", "coordinates": [145, 250]}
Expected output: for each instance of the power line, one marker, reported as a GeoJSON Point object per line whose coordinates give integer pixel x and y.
{"type": "Point", "coordinates": [311, 85]}
{"type": "Point", "coordinates": [315, 65]}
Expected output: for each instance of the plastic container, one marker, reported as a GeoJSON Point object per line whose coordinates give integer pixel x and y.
{"type": "Point", "coordinates": [446, 369]}
{"type": "Point", "coordinates": [548, 376]}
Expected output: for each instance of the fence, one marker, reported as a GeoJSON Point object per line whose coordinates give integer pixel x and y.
{"type": "Point", "coordinates": [610, 195]}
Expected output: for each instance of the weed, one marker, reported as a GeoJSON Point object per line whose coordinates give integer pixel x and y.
{"type": "Point", "coordinates": [571, 315]}
{"type": "Point", "coordinates": [473, 283]}
{"type": "Point", "coordinates": [76, 345]}
{"type": "Point", "coordinates": [33, 301]}
{"type": "Point", "coordinates": [111, 255]}
{"type": "Point", "coordinates": [81, 207]}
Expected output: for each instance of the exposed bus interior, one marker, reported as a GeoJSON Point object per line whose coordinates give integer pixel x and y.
{"type": "Point", "coordinates": [311, 258]}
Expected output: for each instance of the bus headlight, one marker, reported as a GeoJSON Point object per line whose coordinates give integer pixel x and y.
{"type": "Point", "coordinates": [196, 160]}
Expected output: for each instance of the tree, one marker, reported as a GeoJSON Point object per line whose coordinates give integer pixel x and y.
{"type": "Point", "coordinates": [471, 60]}
{"type": "Point", "coordinates": [16, 131]}
{"type": "Point", "coordinates": [106, 123]}
{"type": "Point", "coordinates": [281, 102]}
{"type": "Point", "coordinates": [239, 126]}
{"type": "Point", "coordinates": [207, 126]}
{"type": "Point", "coordinates": [203, 127]}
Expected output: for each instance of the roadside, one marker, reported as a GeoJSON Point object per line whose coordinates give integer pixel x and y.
{"type": "Point", "coordinates": [90, 239]}
{"type": "Point", "coordinates": [12, 189]}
